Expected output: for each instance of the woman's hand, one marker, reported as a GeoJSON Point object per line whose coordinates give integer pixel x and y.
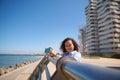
{"type": "Point", "coordinates": [52, 52]}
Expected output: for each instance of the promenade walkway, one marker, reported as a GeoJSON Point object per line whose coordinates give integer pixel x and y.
{"type": "Point", "coordinates": [103, 62]}
{"type": "Point", "coordinates": [23, 73]}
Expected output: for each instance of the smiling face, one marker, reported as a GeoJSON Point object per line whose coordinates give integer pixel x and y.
{"type": "Point", "coordinates": [69, 46]}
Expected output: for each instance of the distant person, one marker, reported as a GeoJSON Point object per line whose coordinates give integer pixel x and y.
{"type": "Point", "coordinates": [69, 47]}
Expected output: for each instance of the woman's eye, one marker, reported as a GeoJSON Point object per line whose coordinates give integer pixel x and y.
{"type": "Point", "coordinates": [68, 45]}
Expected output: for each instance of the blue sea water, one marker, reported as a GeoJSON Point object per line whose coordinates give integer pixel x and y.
{"type": "Point", "coordinates": [12, 59]}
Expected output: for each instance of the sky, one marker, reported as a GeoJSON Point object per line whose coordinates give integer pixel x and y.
{"type": "Point", "coordinates": [30, 26]}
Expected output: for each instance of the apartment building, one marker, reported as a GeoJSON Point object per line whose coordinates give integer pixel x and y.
{"type": "Point", "coordinates": [102, 26]}
{"type": "Point", "coordinates": [82, 37]}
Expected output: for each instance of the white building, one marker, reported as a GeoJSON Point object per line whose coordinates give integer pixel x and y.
{"type": "Point", "coordinates": [103, 26]}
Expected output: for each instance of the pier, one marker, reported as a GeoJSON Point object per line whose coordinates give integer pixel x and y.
{"type": "Point", "coordinates": [29, 72]}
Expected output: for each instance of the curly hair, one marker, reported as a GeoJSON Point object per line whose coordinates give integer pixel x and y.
{"type": "Point", "coordinates": [62, 47]}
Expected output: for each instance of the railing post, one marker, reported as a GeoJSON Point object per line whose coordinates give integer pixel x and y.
{"type": "Point", "coordinates": [39, 73]}
{"type": "Point", "coordinates": [47, 72]}
{"type": "Point", "coordinates": [46, 61]}
{"type": "Point", "coordinates": [59, 67]}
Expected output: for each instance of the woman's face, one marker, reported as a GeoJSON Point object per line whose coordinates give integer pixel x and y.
{"type": "Point", "coordinates": [69, 46]}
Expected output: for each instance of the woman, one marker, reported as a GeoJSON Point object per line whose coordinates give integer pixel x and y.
{"type": "Point", "coordinates": [69, 47]}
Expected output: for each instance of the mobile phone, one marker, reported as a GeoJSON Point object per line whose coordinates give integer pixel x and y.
{"type": "Point", "coordinates": [47, 50]}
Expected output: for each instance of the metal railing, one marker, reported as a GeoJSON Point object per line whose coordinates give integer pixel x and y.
{"type": "Point", "coordinates": [68, 68]}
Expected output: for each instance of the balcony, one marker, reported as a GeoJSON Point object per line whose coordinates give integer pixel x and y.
{"type": "Point", "coordinates": [108, 27]}
{"type": "Point", "coordinates": [114, 7]}
{"type": "Point", "coordinates": [117, 12]}
{"type": "Point", "coordinates": [107, 22]}
{"type": "Point", "coordinates": [117, 35]}
{"type": "Point", "coordinates": [106, 41]}
{"type": "Point", "coordinates": [117, 25]}
{"type": "Point", "coordinates": [109, 46]}
{"type": "Point", "coordinates": [105, 32]}
{"type": "Point", "coordinates": [114, 3]}
{"type": "Point", "coordinates": [117, 30]}
{"type": "Point", "coordinates": [106, 50]}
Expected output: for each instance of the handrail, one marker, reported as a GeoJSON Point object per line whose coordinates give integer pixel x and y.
{"type": "Point", "coordinates": [79, 71]}
{"type": "Point", "coordinates": [68, 68]}
{"type": "Point", "coordinates": [36, 75]}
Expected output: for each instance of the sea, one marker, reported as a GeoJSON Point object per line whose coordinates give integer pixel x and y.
{"type": "Point", "coordinates": [7, 60]}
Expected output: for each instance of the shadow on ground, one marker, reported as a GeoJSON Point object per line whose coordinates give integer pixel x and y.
{"type": "Point", "coordinates": [117, 68]}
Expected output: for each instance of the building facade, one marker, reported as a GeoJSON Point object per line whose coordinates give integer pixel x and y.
{"type": "Point", "coordinates": [83, 43]}
{"type": "Point", "coordinates": [102, 26]}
